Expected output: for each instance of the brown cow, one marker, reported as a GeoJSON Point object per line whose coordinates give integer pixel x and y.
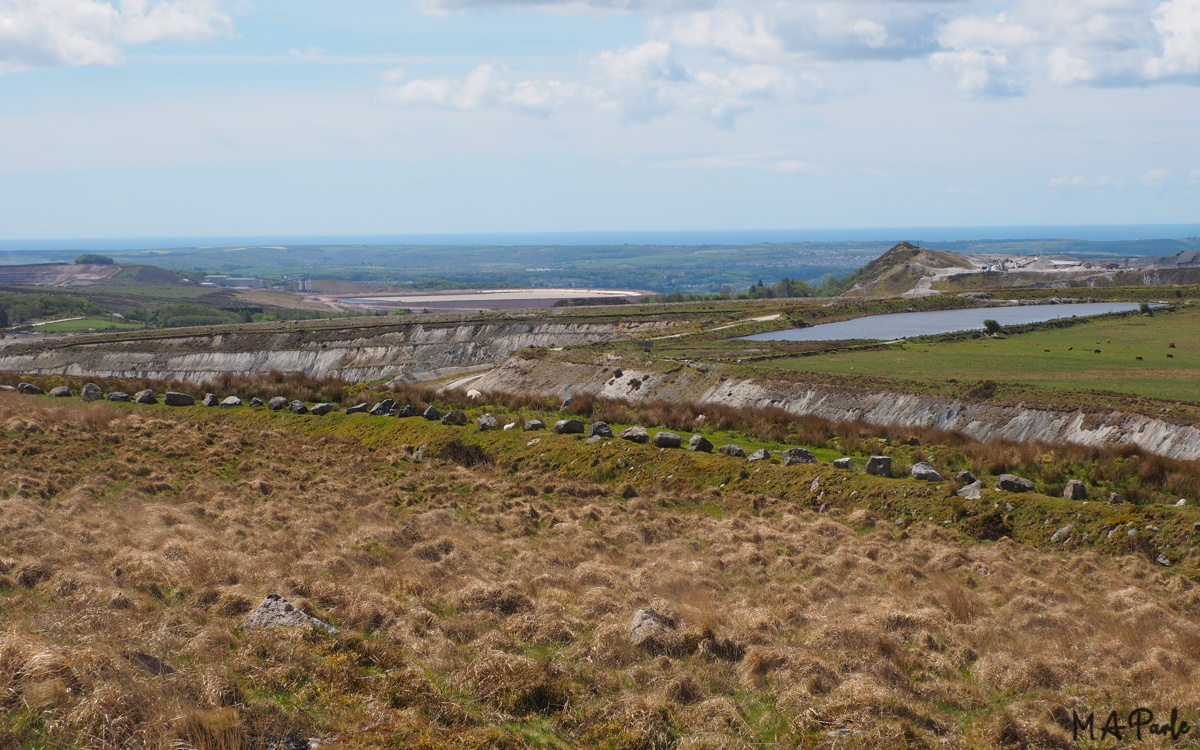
{"type": "Point", "coordinates": [1139, 359]}
{"type": "Point", "coordinates": [1097, 351]}
{"type": "Point", "coordinates": [1170, 356]}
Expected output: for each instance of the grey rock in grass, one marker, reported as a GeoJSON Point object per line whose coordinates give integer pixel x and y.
{"type": "Point", "coordinates": [965, 477]}
{"type": "Point", "coordinates": [383, 408]}
{"type": "Point", "coordinates": [298, 407]}
{"type": "Point", "coordinates": [793, 456]}
{"type": "Point", "coordinates": [119, 397]}
{"type": "Point", "coordinates": [173, 398]}
{"type": "Point", "coordinates": [1061, 534]}
{"type": "Point", "coordinates": [7, 388]}
{"type": "Point", "coordinates": [29, 389]}
{"type": "Point", "coordinates": [880, 466]}
{"type": "Point", "coordinates": [1115, 499]}
{"type": "Point", "coordinates": [60, 391]}
{"type": "Point", "coordinates": [843, 463]}
{"type": "Point", "coordinates": [408, 411]}
{"type": "Point", "coordinates": [925, 473]}
{"type": "Point", "coordinates": [322, 409]}
{"type": "Point", "coordinates": [972, 491]}
{"type": "Point", "coordinates": [419, 454]}
{"type": "Point", "coordinates": [230, 401]}
{"type": "Point", "coordinates": [1013, 483]}
{"type": "Point", "coordinates": [210, 399]}
{"type": "Point", "coordinates": [667, 440]}
{"type": "Point", "coordinates": [762, 454]}
{"type": "Point", "coordinates": [357, 409]}
{"type": "Point", "coordinates": [279, 403]}
{"type": "Point", "coordinates": [636, 434]}
{"type": "Point", "coordinates": [432, 414]}
{"type": "Point", "coordinates": [256, 402]}
{"type": "Point", "coordinates": [487, 422]}
{"type": "Point", "coordinates": [700, 444]}
{"type": "Point", "coordinates": [91, 392]}
{"type": "Point", "coordinates": [277, 612]}
{"type": "Point", "coordinates": [533, 424]}
{"type": "Point", "coordinates": [145, 397]}
{"type": "Point", "coordinates": [731, 450]}
{"type": "Point", "coordinates": [647, 625]}
{"type": "Point", "coordinates": [1075, 490]}
{"type": "Point", "coordinates": [593, 440]}
{"type": "Point", "coordinates": [455, 418]}
{"type": "Point", "coordinates": [599, 429]}
{"type": "Point", "coordinates": [569, 427]}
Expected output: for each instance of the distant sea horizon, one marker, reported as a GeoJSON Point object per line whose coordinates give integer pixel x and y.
{"type": "Point", "coordinates": [1083, 232]}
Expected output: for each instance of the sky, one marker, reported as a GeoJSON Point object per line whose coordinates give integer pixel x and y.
{"type": "Point", "coordinates": [142, 118]}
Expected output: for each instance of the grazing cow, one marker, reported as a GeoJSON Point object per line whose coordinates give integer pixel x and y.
{"type": "Point", "coordinates": [1108, 341]}
{"type": "Point", "coordinates": [1069, 348]}
{"type": "Point", "coordinates": [1046, 350]}
{"type": "Point", "coordinates": [1139, 359]}
{"type": "Point", "coordinates": [1097, 351]}
{"type": "Point", "coordinates": [1170, 356]}
{"type": "Point", "coordinates": [1171, 345]}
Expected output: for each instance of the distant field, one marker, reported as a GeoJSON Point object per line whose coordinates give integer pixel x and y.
{"type": "Point", "coordinates": [1071, 362]}
{"type": "Point", "coordinates": [86, 324]}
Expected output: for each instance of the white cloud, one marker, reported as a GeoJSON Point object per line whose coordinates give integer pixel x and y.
{"type": "Point", "coordinates": [1156, 177]}
{"type": "Point", "coordinates": [1081, 181]}
{"type": "Point", "coordinates": [485, 86]}
{"type": "Point", "coordinates": [72, 33]}
{"type": "Point", "coordinates": [980, 73]}
{"type": "Point", "coordinates": [1178, 23]}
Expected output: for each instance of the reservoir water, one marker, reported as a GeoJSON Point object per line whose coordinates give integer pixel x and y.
{"type": "Point", "coordinates": [906, 325]}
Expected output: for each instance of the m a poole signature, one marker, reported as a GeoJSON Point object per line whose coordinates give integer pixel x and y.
{"type": "Point", "coordinates": [1139, 720]}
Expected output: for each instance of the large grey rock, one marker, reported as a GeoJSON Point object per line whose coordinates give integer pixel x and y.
{"type": "Point", "coordinates": [793, 456]}
{"type": "Point", "coordinates": [965, 477]}
{"type": "Point", "coordinates": [432, 414]}
{"type": "Point", "coordinates": [279, 403]}
{"type": "Point", "coordinates": [647, 626]}
{"type": "Point", "coordinates": [419, 453]}
{"type": "Point", "coordinates": [210, 399]}
{"type": "Point", "coordinates": [599, 429]}
{"type": "Point", "coordinates": [1075, 490]}
{"type": "Point", "coordinates": [357, 409]}
{"type": "Point", "coordinates": [277, 612]}
{"type": "Point", "coordinates": [7, 388]}
{"type": "Point", "coordinates": [636, 434]}
{"type": "Point", "coordinates": [593, 440]}
{"type": "Point", "coordinates": [455, 418]}
{"type": "Point", "coordinates": [700, 444]}
{"type": "Point", "coordinates": [533, 424]}
{"type": "Point", "coordinates": [1062, 533]}
{"type": "Point", "coordinates": [298, 407]}
{"type": "Point", "coordinates": [145, 397]}
{"type": "Point", "coordinates": [119, 397]}
{"type": "Point", "coordinates": [230, 401]}
{"type": "Point", "coordinates": [569, 427]}
{"type": "Point", "coordinates": [846, 463]}
{"type": "Point", "coordinates": [880, 466]}
{"type": "Point", "coordinates": [408, 410]}
{"type": "Point", "coordinates": [486, 422]}
{"type": "Point", "coordinates": [29, 389]}
{"type": "Point", "coordinates": [972, 491]}
{"type": "Point", "coordinates": [60, 391]}
{"type": "Point", "coordinates": [91, 392]}
{"type": "Point", "coordinates": [667, 440]}
{"type": "Point", "coordinates": [173, 398]}
{"type": "Point", "coordinates": [925, 472]}
{"type": "Point", "coordinates": [734, 451]}
{"type": "Point", "coordinates": [383, 408]}
{"type": "Point", "coordinates": [256, 402]}
{"type": "Point", "coordinates": [1013, 483]}
{"type": "Point", "coordinates": [322, 409]}
{"type": "Point", "coordinates": [762, 454]}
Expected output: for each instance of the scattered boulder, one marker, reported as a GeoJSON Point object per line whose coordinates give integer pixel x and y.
{"type": "Point", "coordinates": [173, 398]}
{"type": "Point", "coordinates": [60, 391]}
{"type": "Point", "coordinates": [534, 424]}
{"type": "Point", "coordinates": [277, 612]}
{"type": "Point", "coordinates": [843, 463]}
{"type": "Point", "coordinates": [383, 408]}
{"type": "Point", "coordinates": [145, 397]}
{"type": "Point", "coordinates": [880, 466]}
{"type": "Point", "coordinates": [965, 477]}
{"type": "Point", "coordinates": [636, 434]}
{"type": "Point", "coordinates": [432, 414]}
{"type": "Point", "coordinates": [1075, 490]}
{"type": "Point", "coordinates": [600, 429]}
{"type": "Point", "coordinates": [569, 427]}
{"type": "Point", "coordinates": [925, 473]}
{"type": "Point", "coordinates": [667, 440]}
{"type": "Point", "coordinates": [119, 397]}
{"type": "Point", "coordinates": [1062, 533]}
{"type": "Point", "coordinates": [647, 626]}
{"type": "Point", "coordinates": [973, 491]}
{"type": "Point", "coordinates": [256, 402]}
{"type": "Point", "coordinates": [1115, 499]}
{"type": "Point", "coordinates": [298, 407]}
{"type": "Point", "coordinates": [455, 418]}
{"type": "Point", "coordinates": [231, 402]}
{"type": "Point", "coordinates": [700, 444]}
{"type": "Point", "coordinates": [487, 422]}
{"type": "Point", "coordinates": [408, 411]}
{"type": "Point", "coordinates": [593, 440]}
{"type": "Point", "coordinates": [357, 409]}
{"type": "Point", "coordinates": [793, 456]}
{"type": "Point", "coordinates": [1013, 483]}
{"type": "Point", "coordinates": [731, 450]}
{"type": "Point", "coordinates": [29, 389]}
{"type": "Point", "coordinates": [322, 409]}
{"type": "Point", "coordinates": [419, 453]}
{"type": "Point", "coordinates": [210, 399]}
{"type": "Point", "coordinates": [761, 454]}
{"type": "Point", "coordinates": [566, 402]}
{"type": "Point", "coordinates": [7, 388]}
{"type": "Point", "coordinates": [91, 392]}
{"type": "Point", "coordinates": [279, 403]}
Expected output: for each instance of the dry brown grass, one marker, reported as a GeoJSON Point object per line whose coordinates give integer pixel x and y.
{"type": "Point", "coordinates": [479, 610]}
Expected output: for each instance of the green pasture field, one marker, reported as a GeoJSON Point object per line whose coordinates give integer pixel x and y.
{"type": "Point", "coordinates": [1063, 358]}
{"type": "Point", "coordinates": [86, 324]}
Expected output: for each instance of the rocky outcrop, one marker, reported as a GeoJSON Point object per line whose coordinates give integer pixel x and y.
{"type": "Point", "coordinates": [667, 440]}
{"type": "Point", "coordinates": [700, 444]}
{"type": "Point", "coordinates": [762, 454]}
{"type": "Point", "coordinates": [846, 463]}
{"type": "Point", "coordinates": [279, 403]}
{"type": "Point", "coordinates": [731, 450]}
{"type": "Point", "coordinates": [569, 427]}
{"type": "Point", "coordinates": [486, 422]}
{"type": "Point", "coordinates": [91, 392]}
{"type": "Point", "coordinates": [636, 434]}
{"type": "Point", "coordinates": [145, 397]}
{"type": "Point", "coordinates": [321, 410]}
{"type": "Point", "coordinates": [880, 466]}
{"type": "Point", "coordinates": [793, 456]}
{"type": "Point", "coordinates": [60, 391]}
{"type": "Point", "coordinates": [600, 430]}
{"type": "Point", "coordinates": [229, 402]}
{"type": "Point", "coordinates": [925, 472]}
{"type": "Point", "coordinates": [178, 399]}
{"type": "Point", "coordinates": [456, 418]}
{"type": "Point", "coordinates": [1013, 483]}
{"type": "Point", "coordinates": [119, 397]}
{"type": "Point", "coordinates": [1075, 490]}
{"type": "Point", "coordinates": [277, 612]}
